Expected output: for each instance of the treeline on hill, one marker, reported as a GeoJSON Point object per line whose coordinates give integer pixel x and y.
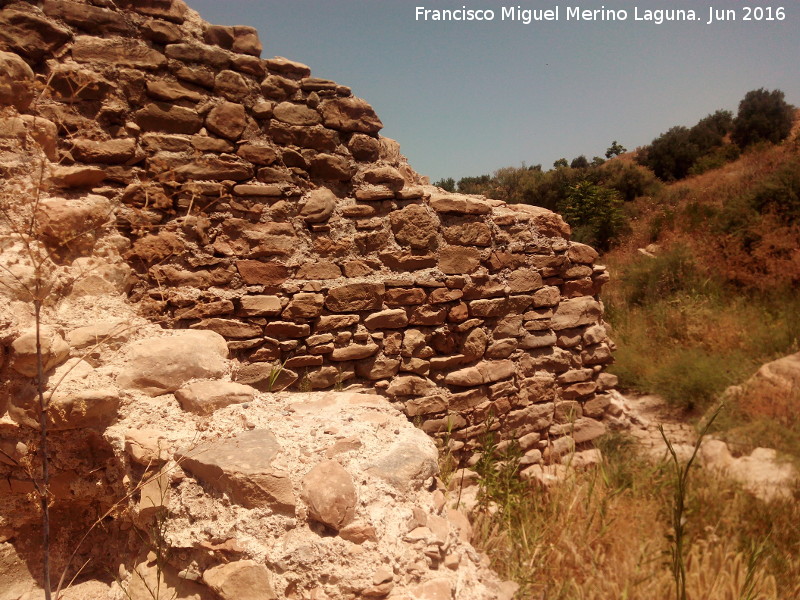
{"type": "Point", "coordinates": [591, 195]}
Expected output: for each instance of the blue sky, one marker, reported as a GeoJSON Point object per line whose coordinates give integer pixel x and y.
{"type": "Point", "coordinates": [466, 98]}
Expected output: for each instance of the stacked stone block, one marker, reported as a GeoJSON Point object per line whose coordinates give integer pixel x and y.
{"type": "Point", "coordinates": [261, 203]}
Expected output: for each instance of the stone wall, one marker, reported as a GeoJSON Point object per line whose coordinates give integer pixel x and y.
{"type": "Point", "coordinates": [262, 203]}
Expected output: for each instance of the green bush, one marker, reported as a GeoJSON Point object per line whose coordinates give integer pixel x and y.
{"type": "Point", "coordinates": [594, 213]}
{"type": "Point", "coordinates": [763, 116]}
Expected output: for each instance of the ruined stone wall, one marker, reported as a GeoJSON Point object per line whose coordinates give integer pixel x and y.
{"type": "Point", "coordinates": [262, 203]}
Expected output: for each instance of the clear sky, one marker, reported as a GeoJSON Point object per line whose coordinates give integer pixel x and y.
{"type": "Point", "coordinates": [466, 98]}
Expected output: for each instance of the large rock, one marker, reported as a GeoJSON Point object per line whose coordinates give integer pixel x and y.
{"type": "Point", "coordinates": [52, 347]}
{"type": "Point", "coordinates": [330, 494]}
{"type": "Point", "coordinates": [16, 81]}
{"type": "Point", "coordinates": [355, 297]}
{"type": "Point", "coordinates": [574, 312]}
{"type": "Point", "coordinates": [415, 226]}
{"type": "Point", "coordinates": [227, 119]}
{"type": "Point", "coordinates": [240, 580]}
{"type": "Point", "coordinates": [120, 51]}
{"type": "Point", "coordinates": [406, 465]}
{"type": "Point", "coordinates": [241, 466]}
{"type": "Point", "coordinates": [204, 397]}
{"type": "Point", "coordinates": [318, 205]}
{"type": "Point", "coordinates": [350, 114]}
{"type": "Point", "coordinates": [159, 365]}
{"type": "Point", "coordinates": [30, 34]}
{"type": "Point", "coordinates": [63, 222]}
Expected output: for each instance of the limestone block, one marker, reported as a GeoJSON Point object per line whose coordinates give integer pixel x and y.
{"type": "Point", "coordinates": [407, 465]}
{"type": "Point", "coordinates": [205, 397]}
{"type": "Point", "coordinates": [120, 51]}
{"type": "Point", "coordinates": [355, 297]}
{"type": "Point", "coordinates": [305, 305]}
{"type": "Point", "coordinates": [575, 312]}
{"type": "Point", "coordinates": [296, 114]}
{"type": "Point", "coordinates": [159, 365]}
{"type": "Point", "coordinates": [240, 580]}
{"type": "Point", "coordinates": [54, 351]}
{"type": "Point", "coordinates": [458, 260]}
{"type": "Point", "coordinates": [318, 205]}
{"type": "Point", "coordinates": [415, 226]}
{"type": "Point", "coordinates": [241, 466]}
{"type": "Point", "coordinates": [228, 120]}
{"type": "Point", "coordinates": [350, 114]}
{"type": "Point", "coordinates": [16, 81]}
{"type": "Point", "coordinates": [330, 494]}
{"type": "Point", "coordinates": [169, 118]}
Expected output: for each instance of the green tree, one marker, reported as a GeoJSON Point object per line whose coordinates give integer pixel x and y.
{"type": "Point", "coordinates": [560, 163]}
{"type": "Point", "coordinates": [671, 155]}
{"type": "Point", "coordinates": [594, 213]}
{"type": "Point", "coordinates": [615, 149]}
{"type": "Point", "coordinates": [448, 184]}
{"type": "Point", "coordinates": [763, 116]}
{"type": "Point", "coordinates": [579, 162]}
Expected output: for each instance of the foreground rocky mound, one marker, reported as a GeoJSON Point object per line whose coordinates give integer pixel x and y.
{"type": "Point", "coordinates": [261, 203]}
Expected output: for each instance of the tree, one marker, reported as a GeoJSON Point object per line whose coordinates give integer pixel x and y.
{"type": "Point", "coordinates": [763, 117]}
{"type": "Point", "coordinates": [671, 155]}
{"type": "Point", "coordinates": [594, 213]}
{"type": "Point", "coordinates": [448, 184]}
{"type": "Point", "coordinates": [579, 162]}
{"type": "Point", "coordinates": [615, 149]}
{"type": "Point", "coordinates": [560, 163]}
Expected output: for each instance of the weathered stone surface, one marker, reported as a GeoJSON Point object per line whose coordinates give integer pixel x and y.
{"type": "Point", "coordinates": [240, 580]}
{"type": "Point", "coordinates": [410, 385]}
{"type": "Point", "coordinates": [54, 351]}
{"type": "Point", "coordinates": [296, 114]}
{"type": "Point", "coordinates": [377, 367]}
{"type": "Point", "coordinates": [171, 91]}
{"type": "Point", "coordinates": [407, 465]}
{"type": "Point", "coordinates": [305, 305]}
{"type": "Point", "coordinates": [255, 272]}
{"type": "Point", "coordinates": [121, 51]}
{"type": "Point", "coordinates": [581, 253]}
{"type": "Point", "coordinates": [485, 372]}
{"type": "Point", "coordinates": [318, 205]}
{"type": "Point", "coordinates": [289, 68]}
{"type": "Point", "coordinates": [159, 365]}
{"type": "Point", "coordinates": [330, 494]}
{"type": "Point", "coordinates": [230, 328]}
{"type": "Point", "coordinates": [330, 167]}
{"type": "Point", "coordinates": [160, 116]}
{"type": "Point", "coordinates": [415, 226]}
{"type": "Point", "coordinates": [82, 409]}
{"type": "Point", "coordinates": [323, 269]}
{"type": "Point", "coordinates": [77, 176]}
{"type": "Point", "coordinates": [227, 119]}
{"type": "Point", "coordinates": [315, 138]}
{"type": "Point", "coordinates": [231, 85]}
{"type": "Point", "coordinates": [204, 397]}
{"type": "Point", "coordinates": [30, 34]}
{"type": "Point", "coordinates": [459, 205]}
{"type": "Point", "coordinates": [350, 114]}
{"type": "Point", "coordinates": [16, 81]}
{"type": "Point", "coordinates": [575, 312]}
{"type": "Point", "coordinates": [473, 233]}
{"type": "Point", "coordinates": [355, 297]}
{"type": "Point", "coordinates": [458, 260]}
{"type": "Point", "coordinates": [524, 280]}
{"type": "Point", "coordinates": [87, 17]}
{"type": "Point", "coordinates": [241, 466]}
{"type": "Point", "coordinates": [110, 152]}
{"type": "Point", "coordinates": [387, 319]}
{"type": "Point", "coordinates": [354, 352]}
{"type": "Point", "coordinates": [66, 222]}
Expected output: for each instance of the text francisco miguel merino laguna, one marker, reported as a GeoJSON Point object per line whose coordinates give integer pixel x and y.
{"type": "Point", "coordinates": [576, 13]}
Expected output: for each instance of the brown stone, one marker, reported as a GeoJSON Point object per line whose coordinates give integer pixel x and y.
{"type": "Point", "coordinates": [377, 367]}
{"type": "Point", "coordinates": [384, 175]}
{"type": "Point", "coordinates": [266, 377]}
{"type": "Point", "coordinates": [330, 494]}
{"type": "Point", "coordinates": [335, 322]}
{"type": "Point", "coordinates": [414, 226]}
{"type": "Point", "coordinates": [305, 305]}
{"type": "Point", "coordinates": [350, 114]}
{"type": "Point", "coordinates": [408, 260]}
{"type": "Point", "coordinates": [119, 51]}
{"type": "Point", "coordinates": [230, 328]}
{"type": "Point", "coordinates": [240, 580]}
{"type": "Point", "coordinates": [171, 91]}
{"type": "Point", "coordinates": [109, 152]}
{"type": "Point", "coordinates": [205, 397]}
{"type": "Point", "coordinates": [161, 31]}
{"type": "Point", "coordinates": [354, 352]}
{"type": "Point", "coordinates": [170, 10]}
{"type": "Point", "coordinates": [54, 351]}
{"type": "Point", "coordinates": [581, 253]}
{"type": "Point", "coordinates": [318, 205]}
{"type": "Point", "coordinates": [296, 114]}
{"type": "Point", "coordinates": [159, 116]}
{"type": "Point", "coordinates": [575, 312]}
{"type": "Point", "coordinates": [198, 53]}
{"type": "Point", "coordinates": [316, 137]}
{"type": "Point", "coordinates": [255, 272]}
{"type": "Point", "coordinates": [468, 234]}
{"type": "Point", "coordinates": [259, 154]}
{"type": "Point", "coordinates": [216, 168]}
{"type": "Point", "coordinates": [484, 372]}
{"type": "Point", "coordinates": [458, 260]}
{"type": "Point", "coordinates": [284, 329]}
{"type": "Point", "coordinates": [459, 205]}
{"type": "Point", "coordinates": [321, 269]}
{"type": "Point", "coordinates": [410, 385]}
{"type": "Point", "coordinates": [231, 85]}
{"type": "Point", "coordinates": [255, 306]}
{"type": "Point", "coordinates": [227, 119]}
{"type": "Point", "coordinates": [278, 88]}
{"type": "Point", "coordinates": [16, 82]}
{"type": "Point", "coordinates": [87, 17]}
{"type": "Point", "coordinates": [364, 148]}
{"type": "Point", "coordinates": [426, 314]}
{"type": "Point", "coordinates": [387, 319]}
{"type": "Point", "coordinates": [546, 296]}
{"type": "Point", "coordinates": [355, 297]}
{"type": "Point", "coordinates": [331, 167]}
{"type": "Point", "coordinates": [289, 68]}
{"type": "Point", "coordinates": [30, 34]}
{"type": "Point", "coordinates": [241, 467]}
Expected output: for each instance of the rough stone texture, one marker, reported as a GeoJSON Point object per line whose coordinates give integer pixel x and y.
{"type": "Point", "coordinates": [204, 397]}
{"type": "Point", "coordinates": [330, 494]}
{"type": "Point", "coordinates": [163, 364]}
{"type": "Point", "coordinates": [240, 580]}
{"type": "Point", "coordinates": [54, 351]}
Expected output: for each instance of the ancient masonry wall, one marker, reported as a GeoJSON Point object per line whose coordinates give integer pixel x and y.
{"type": "Point", "coordinates": [262, 203]}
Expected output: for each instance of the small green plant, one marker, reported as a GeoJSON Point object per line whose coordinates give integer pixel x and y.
{"type": "Point", "coordinates": [680, 481]}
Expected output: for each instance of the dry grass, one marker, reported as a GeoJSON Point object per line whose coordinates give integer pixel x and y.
{"type": "Point", "coordinates": [604, 533]}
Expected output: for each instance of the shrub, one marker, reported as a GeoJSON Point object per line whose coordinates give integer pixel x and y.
{"type": "Point", "coordinates": [763, 116]}
{"type": "Point", "coordinates": [448, 184]}
{"type": "Point", "coordinates": [594, 213]}
{"type": "Point", "coordinates": [671, 155]}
